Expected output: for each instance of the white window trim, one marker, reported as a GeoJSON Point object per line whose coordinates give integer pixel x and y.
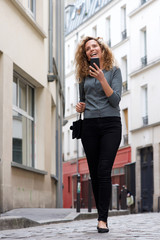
{"type": "Point", "coordinates": [25, 113]}
{"type": "Point", "coordinates": [22, 112]}
{"type": "Point", "coordinates": [32, 13]}
{"type": "Point", "coordinates": [28, 17]}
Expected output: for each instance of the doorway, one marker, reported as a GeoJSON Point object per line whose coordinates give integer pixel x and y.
{"type": "Point", "coordinates": [146, 155]}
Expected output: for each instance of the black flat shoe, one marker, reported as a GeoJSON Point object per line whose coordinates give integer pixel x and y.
{"type": "Point", "coordinates": [106, 226]}
{"type": "Point", "coordinates": [102, 230]}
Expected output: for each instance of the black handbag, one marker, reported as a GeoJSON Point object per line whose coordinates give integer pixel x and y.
{"type": "Point", "coordinates": [77, 128]}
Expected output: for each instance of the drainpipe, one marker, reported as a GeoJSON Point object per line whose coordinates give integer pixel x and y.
{"type": "Point", "coordinates": [77, 161]}
{"type": "Point", "coordinates": [60, 64]}
{"type": "Point", "coordinates": [77, 119]}
{"type": "Point", "coordinates": [59, 184]}
{"type": "Point", "coordinates": [51, 77]}
{"type": "Point", "coordinates": [50, 33]}
{"type": "Point", "coordinates": [58, 75]}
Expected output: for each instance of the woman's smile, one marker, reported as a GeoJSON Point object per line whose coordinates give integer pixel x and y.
{"type": "Point", "coordinates": [93, 49]}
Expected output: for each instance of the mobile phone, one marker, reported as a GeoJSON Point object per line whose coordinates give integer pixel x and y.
{"type": "Point", "coordinates": [96, 61]}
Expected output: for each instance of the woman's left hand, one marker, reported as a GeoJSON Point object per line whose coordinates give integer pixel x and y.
{"type": "Point", "coordinates": [96, 73]}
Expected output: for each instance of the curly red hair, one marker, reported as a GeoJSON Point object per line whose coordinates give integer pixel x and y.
{"type": "Point", "coordinates": [82, 63]}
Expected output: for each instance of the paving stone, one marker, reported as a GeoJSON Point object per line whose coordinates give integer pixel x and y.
{"type": "Point", "coordinates": [129, 227]}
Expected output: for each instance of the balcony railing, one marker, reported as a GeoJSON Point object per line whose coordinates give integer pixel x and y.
{"type": "Point", "coordinates": [124, 34]}
{"type": "Point", "coordinates": [109, 42]}
{"type": "Point", "coordinates": [145, 120]}
{"type": "Point", "coordinates": [144, 61]}
{"type": "Point", "coordinates": [124, 86]}
{"type": "Point", "coordinates": [125, 139]}
{"type": "Point", "coordinates": [143, 1]}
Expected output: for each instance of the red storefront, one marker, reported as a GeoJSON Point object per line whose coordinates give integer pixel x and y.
{"type": "Point", "coordinates": [70, 177]}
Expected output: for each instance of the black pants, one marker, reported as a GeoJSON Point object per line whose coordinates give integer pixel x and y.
{"type": "Point", "coordinates": [101, 138]}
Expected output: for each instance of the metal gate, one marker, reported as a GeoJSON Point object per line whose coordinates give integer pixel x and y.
{"type": "Point", "coordinates": [146, 179]}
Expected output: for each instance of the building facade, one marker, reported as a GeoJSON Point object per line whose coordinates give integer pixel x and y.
{"type": "Point", "coordinates": [31, 103]}
{"type": "Point", "coordinates": [131, 29]}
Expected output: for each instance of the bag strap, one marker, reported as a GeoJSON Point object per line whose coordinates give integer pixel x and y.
{"type": "Point", "coordinates": [81, 91]}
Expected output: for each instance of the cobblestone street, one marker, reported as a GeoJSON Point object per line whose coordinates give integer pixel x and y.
{"type": "Point", "coordinates": [128, 227]}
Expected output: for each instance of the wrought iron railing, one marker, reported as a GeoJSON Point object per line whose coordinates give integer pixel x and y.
{"type": "Point", "coordinates": [125, 139]}
{"type": "Point", "coordinates": [109, 42]}
{"type": "Point", "coordinates": [143, 1]}
{"type": "Point", "coordinates": [124, 86]}
{"type": "Point", "coordinates": [124, 34]}
{"type": "Point", "coordinates": [144, 61]}
{"type": "Point", "coordinates": [145, 120]}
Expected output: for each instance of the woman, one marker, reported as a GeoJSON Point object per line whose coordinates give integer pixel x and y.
{"type": "Point", "coordinates": [100, 94]}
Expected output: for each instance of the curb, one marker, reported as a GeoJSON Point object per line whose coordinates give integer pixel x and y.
{"type": "Point", "coordinates": [16, 222]}
{"type": "Point", "coordinates": [7, 223]}
{"type": "Point", "coordinates": [83, 216]}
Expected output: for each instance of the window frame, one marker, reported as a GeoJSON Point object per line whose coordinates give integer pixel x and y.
{"type": "Point", "coordinates": [23, 113]}
{"type": "Point", "coordinates": [108, 30]}
{"type": "Point", "coordinates": [94, 31]}
{"type": "Point", "coordinates": [144, 51]}
{"type": "Point", "coordinates": [144, 94]}
{"type": "Point", "coordinates": [125, 73]}
{"type": "Point", "coordinates": [32, 13]}
{"type": "Point", "coordinates": [123, 22]}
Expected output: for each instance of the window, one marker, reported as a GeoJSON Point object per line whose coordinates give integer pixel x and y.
{"type": "Point", "coordinates": [32, 7]}
{"type": "Point", "coordinates": [117, 171]}
{"type": "Point", "coordinates": [75, 44]}
{"type": "Point", "coordinates": [124, 74]}
{"type": "Point", "coordinates": [144, 47]}
{"type": "Point", "coordinates": [68, 142]}
{"type": "Point", "coordinates": [82, 37]}
{"type": "Point", "coordinates": [145, 105]}
{"type": "Point", "coordinates": [98, 3]}
{"type": "Point", "coordinates": [23, 121]}
{"type": "Point", "coordinates": [94, 31]}
{"type": "Point", "coordinates": [68, 99]}
{"type": "Point", "coordinates": [121, 170]}
{"type": "Point", "coordinates": [75, 145]}
{"type": "Point", "coordinates": [87, 6]}
{"type": "Point", "coordinates": [69, 56]}
{"type": "Point", "coordinates": [143, 1]}
{"type": "Point", "coordinates": [108, 31]}
{"type": "Point", "coordinates": [123, 22]}
{"type": "Point", "coordinates": [73, 14]}
{"type": "Point", "coordinates": [67, 16]}
{"type": "Point", "coordinates": [75, 100]}
{"type": "Point", "coordinates": [125, 135]}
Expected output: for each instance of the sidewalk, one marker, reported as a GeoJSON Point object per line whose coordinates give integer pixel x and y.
{"type": "Point", "coordinates": [143, 226]}
{"type": "Point", "coordinates": [29, 217]}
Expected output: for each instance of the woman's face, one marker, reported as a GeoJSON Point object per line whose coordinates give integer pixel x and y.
{"type": "Point", "coordinates": [93, 49]}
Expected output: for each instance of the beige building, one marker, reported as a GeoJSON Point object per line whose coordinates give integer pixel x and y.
{"type": "Point", "coordinates": [31, 103]}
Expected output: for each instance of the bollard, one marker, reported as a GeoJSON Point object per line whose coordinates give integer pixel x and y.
{"type": "Point", "coordinates": [89, 195]}
{"type": "Point", "coordinates": [78, 192]}
{"type": "Point", "coordinates": [158, 204]}
{"type": "Point", "coordinates": [139, 207]}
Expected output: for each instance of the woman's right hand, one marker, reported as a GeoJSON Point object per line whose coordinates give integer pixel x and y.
{"type": "Point", "coordinates": [80, 107]}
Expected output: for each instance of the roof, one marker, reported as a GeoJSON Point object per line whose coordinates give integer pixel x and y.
{"type": "Point", "coordinates": [81, 11]}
